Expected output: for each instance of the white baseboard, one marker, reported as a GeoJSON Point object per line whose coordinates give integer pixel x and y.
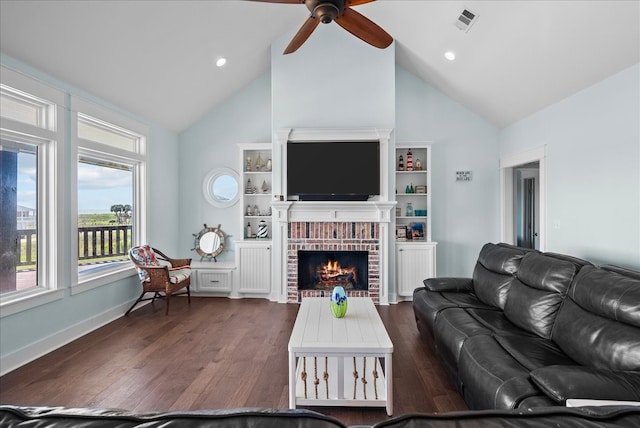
{"type": "Point", "coordinates": [42, 347]}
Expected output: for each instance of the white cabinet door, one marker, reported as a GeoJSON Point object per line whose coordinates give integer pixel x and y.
{"type": "Point", "coordinates": [254, 263]}
{"type": "Point", "coordinates": [415, 263]}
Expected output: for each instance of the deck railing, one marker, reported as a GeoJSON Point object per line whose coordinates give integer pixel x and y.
{"type": "Point", "coordinates": [95, 242]}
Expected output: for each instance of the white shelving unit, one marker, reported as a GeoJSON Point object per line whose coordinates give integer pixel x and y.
{"type": "Point", "coordinates": [257, 189]}
{"type": "Point", "coordinates": [253, 253]}
{"type": "Point", "coordinates": [415, 251]}
{"type": "Point", "coordinates": [413, 188]}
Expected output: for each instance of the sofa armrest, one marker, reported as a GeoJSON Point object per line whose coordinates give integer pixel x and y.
{"type": "Point", "coordinates": [563, 382]}
{"type": "Point", "coordinates": [459, 285]}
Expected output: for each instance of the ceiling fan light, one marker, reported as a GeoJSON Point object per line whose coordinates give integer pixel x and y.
{"type": "Point", "coordinates": [326, 12]}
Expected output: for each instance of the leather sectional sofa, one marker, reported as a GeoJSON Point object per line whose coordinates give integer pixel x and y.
{"type": "Point", "coordinates": [533, 329]}
{"type": "Point", "coordinates": [58, 417]}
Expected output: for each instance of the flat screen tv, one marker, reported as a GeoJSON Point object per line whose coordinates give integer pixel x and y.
{"type": "Point", "coordinates": [333, 170]}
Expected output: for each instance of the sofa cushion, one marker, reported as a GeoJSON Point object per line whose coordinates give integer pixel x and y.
{"type": "Point", "coordinates": [491, 377]}
{"type": "Point", "coordinates": [535, 297]}
{"type": "Point", "coordinates": [598, 324]}
{"type": "Point", "coordinates": [619, 300]}
{"type": "Point", "coordinates": [497, 322]}
{"type": "Point", "coordinates": [494, 272]}
{"type": "Point", "coordinates": [563, 382]}
{"type": "Point", "coordinates": [427, 305]}
{"type": "Point", "coordinates": [533, 352]}
{"type": "Point", "coordinates": [542, 417]}
{"type": "Point", "coordinates": [61, 417]}
{"type": "Point", "coordinates": [453, 326]}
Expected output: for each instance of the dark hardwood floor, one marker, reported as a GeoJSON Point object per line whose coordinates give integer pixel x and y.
{"type": "Point", "coordinates": [216, 353]}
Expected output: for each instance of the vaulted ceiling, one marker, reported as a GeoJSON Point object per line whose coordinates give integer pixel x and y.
{"type": "Point", "coordinates": [157, 58]}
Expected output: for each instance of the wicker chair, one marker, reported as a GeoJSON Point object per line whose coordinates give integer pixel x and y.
{"type": "Point", "coordinates": [160, 275]}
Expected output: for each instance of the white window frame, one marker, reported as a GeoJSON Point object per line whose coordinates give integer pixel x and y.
{"type": "Point", "coordinates": [49, 137]}
{"type": "Point", "coordinates": [137, 159]}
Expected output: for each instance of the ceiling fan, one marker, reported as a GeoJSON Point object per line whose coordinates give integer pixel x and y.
{"type": "Point", "coordinates": [339, 11]}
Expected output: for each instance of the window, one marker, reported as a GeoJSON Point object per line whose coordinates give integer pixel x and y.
{"type": "Point", "coordinates": [19, 220]}
{"type": "Point", "coordinates": [110, 189]}
{"type": "Point", "coordinates": [29, 109]}
{"type": "Point", "coordinates": [30, 133]}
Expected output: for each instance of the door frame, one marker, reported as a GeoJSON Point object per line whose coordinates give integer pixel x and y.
{"type": "Point", "coordinates": [507, 201]}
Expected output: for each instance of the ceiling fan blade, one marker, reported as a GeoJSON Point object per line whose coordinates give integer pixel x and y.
{"type": "Point", "coordinates": [357, 2]}
{"type": "Point", "coordinates": [363, 28]}
{"type": "Point", "coordinates": [279, 1]}
{"type": "Point", "coordinates": [302, 35]}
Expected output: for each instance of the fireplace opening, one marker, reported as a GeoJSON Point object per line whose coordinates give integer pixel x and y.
{"type": "Point", "coordinates": [323, 270]}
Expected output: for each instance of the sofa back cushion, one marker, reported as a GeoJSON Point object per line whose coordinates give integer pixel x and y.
{"type": "Point", "coordinates": [541, 284]}
{"type": "Point", "coordinates": [494, 272]}
{"type": "Point", "coordinates": [599, 323]}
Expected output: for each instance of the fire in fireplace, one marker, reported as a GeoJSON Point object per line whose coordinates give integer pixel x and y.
{"type": "Point", "coordinates": [323, 270]}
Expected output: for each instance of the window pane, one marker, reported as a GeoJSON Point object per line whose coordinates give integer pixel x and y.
{"type": "Point", "coordinates": [94, 130]}
{"type": "Point", "coordinates": [21, 107]}
{"type": "Point", "coordinates": [105, 213]}
{"type": "Point", "coordinates": [18, 222]}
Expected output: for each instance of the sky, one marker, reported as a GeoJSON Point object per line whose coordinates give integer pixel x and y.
{"type": "Point", "coordinates": [98, 187]}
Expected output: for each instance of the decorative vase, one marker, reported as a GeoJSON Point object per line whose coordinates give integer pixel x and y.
{"type": "Point", "coordinates": [262, 230]}
{"type": "Point", "coordinates": [338, 302]}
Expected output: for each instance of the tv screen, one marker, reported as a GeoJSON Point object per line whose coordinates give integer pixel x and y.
{"type": "Point", "coordinates": [335, 170]}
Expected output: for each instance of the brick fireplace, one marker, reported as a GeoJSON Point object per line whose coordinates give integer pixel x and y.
{"type": "Point", "coordinates": [332, 237]}
{"type": "Point", "coordinates": [331, 225]}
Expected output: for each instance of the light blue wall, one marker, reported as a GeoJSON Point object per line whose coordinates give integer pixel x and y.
{"type": "Point", "coordinates": [592, 141]}
{"type": "Point", "coordinates": [320, 86]}
{"type": "Point", "coordinates": [465, 215]}
{"type": "Point", "coordinates": [43, 325]}
{"type": "Point", "coordinates": [210, 143]}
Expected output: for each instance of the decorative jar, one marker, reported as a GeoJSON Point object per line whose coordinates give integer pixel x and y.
{"type": "Point", "coordinates": [262, 230]}
{"type": "Point", "coordinates": [338, 302]}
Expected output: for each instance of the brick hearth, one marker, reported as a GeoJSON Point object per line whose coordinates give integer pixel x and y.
{"type": "Point", "coordinates": [333, 236]}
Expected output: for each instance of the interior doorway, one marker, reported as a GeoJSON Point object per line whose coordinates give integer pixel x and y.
{"type": "Point", "coordinates": [522, 199]}
{"type": "Point", "coordinates": [527, 204]}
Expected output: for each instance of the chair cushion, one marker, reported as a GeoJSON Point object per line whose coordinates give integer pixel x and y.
{"type": "Point", "coordinates": [179, 274]}
{"type": "Point", "coordinates": [143, 255]}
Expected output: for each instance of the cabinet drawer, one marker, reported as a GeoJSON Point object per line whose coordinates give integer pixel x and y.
{"type": "Point", "coordinates": [214, 281]}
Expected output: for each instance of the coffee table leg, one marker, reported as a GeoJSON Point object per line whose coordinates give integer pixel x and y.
{"type": "Point", "coordinates": [389, 379]}
{"type": "Point", "coordinates": [292, 380]}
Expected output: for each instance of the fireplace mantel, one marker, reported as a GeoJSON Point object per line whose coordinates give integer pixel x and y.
{"type": "Point", "coordinates": [286, 212]}
{"type": "Point", "coordinates": [325, 211]}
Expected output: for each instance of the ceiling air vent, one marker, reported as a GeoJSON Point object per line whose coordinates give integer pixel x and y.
{"type": "Point", "coordinates": [466, 20]}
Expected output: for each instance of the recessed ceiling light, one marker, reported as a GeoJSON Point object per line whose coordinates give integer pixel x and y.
{"type": "Point", "coordinates": [221, 61]}
{"type": "Point", "coordinates": [450, 55]}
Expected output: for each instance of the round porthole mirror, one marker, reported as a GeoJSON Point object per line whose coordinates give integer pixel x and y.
{"type": "Point", "coordinates": [209, 242]}
{"type": "Point", "coordinates": [221, 188]}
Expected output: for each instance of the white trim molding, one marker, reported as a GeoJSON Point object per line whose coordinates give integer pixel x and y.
{"type": "Point", "coordinates": [507, 164]}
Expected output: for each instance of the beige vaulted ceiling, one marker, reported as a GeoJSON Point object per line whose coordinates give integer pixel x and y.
{"type": "Point", "coordinates": [156, 58]}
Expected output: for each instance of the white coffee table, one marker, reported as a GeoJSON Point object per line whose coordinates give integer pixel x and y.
{"type": "Point", "coordinates": [340, 356]}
